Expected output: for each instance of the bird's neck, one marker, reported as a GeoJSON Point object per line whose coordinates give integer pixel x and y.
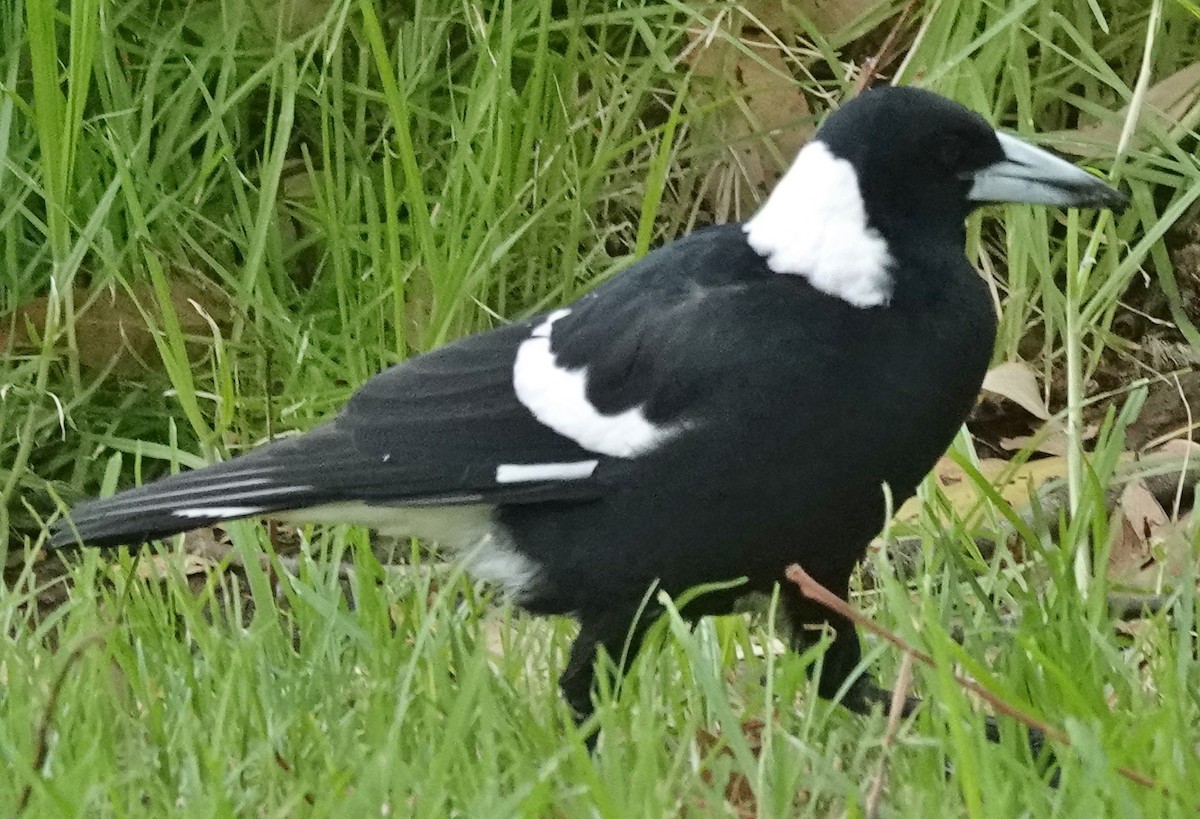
{"type": "Point", "coordinates": [814, 224]}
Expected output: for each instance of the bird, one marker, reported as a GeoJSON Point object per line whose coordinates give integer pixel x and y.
{"type": "Point", "coordinates": [738, 400]}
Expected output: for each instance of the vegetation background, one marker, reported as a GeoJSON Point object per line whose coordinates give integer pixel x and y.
{"type": "Point", "coordinates": [220, 216]}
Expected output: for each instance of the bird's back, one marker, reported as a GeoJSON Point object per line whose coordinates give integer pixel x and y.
{"type": "Point", "coordinates": [803, 407]}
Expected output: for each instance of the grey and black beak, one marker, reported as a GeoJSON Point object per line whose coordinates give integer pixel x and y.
{"type": "Point", "coordinates": [1036, 177]}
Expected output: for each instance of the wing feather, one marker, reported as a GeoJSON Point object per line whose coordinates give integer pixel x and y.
{"type": "Point", "coordinates": [444, 428]}
{"type": "Point", "coordinates": [448, 427]}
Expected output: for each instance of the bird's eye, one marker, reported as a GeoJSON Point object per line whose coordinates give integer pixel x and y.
{"type": "Point", "coordinates": [950, 151]}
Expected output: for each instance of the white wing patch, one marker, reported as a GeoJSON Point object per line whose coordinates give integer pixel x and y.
{"type": "Point", "coordinates": [558, 398]}
{"type": "Point", "coordinates": [525, 473]}
{"type": "Point", "coordinates": [814, 224]}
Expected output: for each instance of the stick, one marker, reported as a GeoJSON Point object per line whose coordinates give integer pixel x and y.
{"type": "Point", "coordinates": [814, 591]}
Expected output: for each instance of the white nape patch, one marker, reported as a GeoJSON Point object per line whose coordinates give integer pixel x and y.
{"type": "Point", "coordinates": [814, 224]}
{"type": "Point", "coordinates": [524, 473]}
{"type": "Point", "coordinates": [218, 512]}
{"type": "Point", "coordinates": [467, 530]}
{"type": "Point", "coordinates": [558, 398]}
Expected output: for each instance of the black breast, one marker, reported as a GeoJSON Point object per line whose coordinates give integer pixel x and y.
{"type": "Point", "coordinates": [808, 406]}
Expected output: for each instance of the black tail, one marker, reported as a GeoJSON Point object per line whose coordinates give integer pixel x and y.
{"type": "Point", "coordinates": [255, 484]}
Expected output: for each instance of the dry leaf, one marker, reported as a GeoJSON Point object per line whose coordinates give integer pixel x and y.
{"type": "Point", "coordinates": [831, 16]}
{"type": "Point", "coordinates": [160, 567]}
{"type": "Point", "coordinates": [1147, 550]}
{"type": "Point", "coordinates": [739, 793]}
{"type": "Point", "coordinates": [1015, 380]}
{"type": "Point", "coordinates": [750, 55]}
{"type": "Point", "coordinates": [1016, 488]}
{"type": "Point", "coordinates": [493, 636]}
{"type": "Point", "coordinates": [1172, 104]}
{"type": "Point", "coordinates": [110, 330]}
{"type": "Point", "coordinates": [1050, 439]}
{"type": "Point", "coordinates": [208, 542]}
{"type": "Point", "coordinates": [287, 18]}
{"type": "Point", "coordinates": [1133, 628]}
{"type": "Point", "coordinates": [1142, 509]}
{"type": "Point", "coordinates": [1180, 447]}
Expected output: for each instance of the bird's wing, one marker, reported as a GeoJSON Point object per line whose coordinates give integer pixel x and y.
{"type": "Point", "coordinates": [453, 426]}
{"type": "Point", "coordinates": [561, 407]}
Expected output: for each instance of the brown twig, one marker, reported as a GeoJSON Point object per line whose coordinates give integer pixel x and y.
{"type": "Point", "coordinates": [814, 591]}
{"type": "Point", "coordinates": [41, 743]}
{"type": "Point", "coordinates": [895, 713]}
{"type": "Point", "coordinates": [871, 67]}
{"type": "Point", "coordinates": [287, 768]}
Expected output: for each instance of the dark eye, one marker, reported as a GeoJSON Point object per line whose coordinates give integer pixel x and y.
{"type": "Point", "coordinates": [950, 151]}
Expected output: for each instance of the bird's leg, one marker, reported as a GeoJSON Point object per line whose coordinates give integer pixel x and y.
{"type": "Point", "coordinates": [863, 694]}
{"type": "Point", "coordinates": [620, 634]}
{"type": "Point", "coordinates": [842, 657]}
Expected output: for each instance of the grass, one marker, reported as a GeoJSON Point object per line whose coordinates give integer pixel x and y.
{"type": "Point", "coordinates": [336, 187]}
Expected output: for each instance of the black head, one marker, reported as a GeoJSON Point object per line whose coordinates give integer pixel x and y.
{"type": "Point", "coordinates": [924, 162]}
{"type": "Point", "coordinates": [891, 176]}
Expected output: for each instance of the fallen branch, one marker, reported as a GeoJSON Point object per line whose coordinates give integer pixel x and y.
{"type": "Point", "coordinates": [814, 591]}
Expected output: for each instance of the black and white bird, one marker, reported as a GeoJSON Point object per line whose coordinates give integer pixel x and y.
{"type": "Point", "coordinates": [732, 403]}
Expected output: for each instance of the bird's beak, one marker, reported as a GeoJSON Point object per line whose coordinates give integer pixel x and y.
{"type": "Point", "coordinates": [1036, 177]}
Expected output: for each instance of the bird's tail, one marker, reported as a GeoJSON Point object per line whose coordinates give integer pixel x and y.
{"type": "Point", "coordinates": [255, 484]}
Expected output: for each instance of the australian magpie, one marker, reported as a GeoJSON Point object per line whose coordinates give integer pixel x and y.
{"type": "Point", "coordinates": [730, 404]}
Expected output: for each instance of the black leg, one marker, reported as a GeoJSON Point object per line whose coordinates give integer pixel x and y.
{"type": "Point", "coordinates": [620, 634]}
{"type": "Point", "coordinates": [845, 653]}
{"type": "Point", "coordinates": [807, 621]}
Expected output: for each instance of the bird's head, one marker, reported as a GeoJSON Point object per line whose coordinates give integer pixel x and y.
{"type": "Point", "coordinates": [896, 171]}
{"type": "Point", "coordinates": [924, 155]}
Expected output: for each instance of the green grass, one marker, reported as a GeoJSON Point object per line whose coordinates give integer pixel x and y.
{"type": "Point", "coordinates": [349, 184]}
